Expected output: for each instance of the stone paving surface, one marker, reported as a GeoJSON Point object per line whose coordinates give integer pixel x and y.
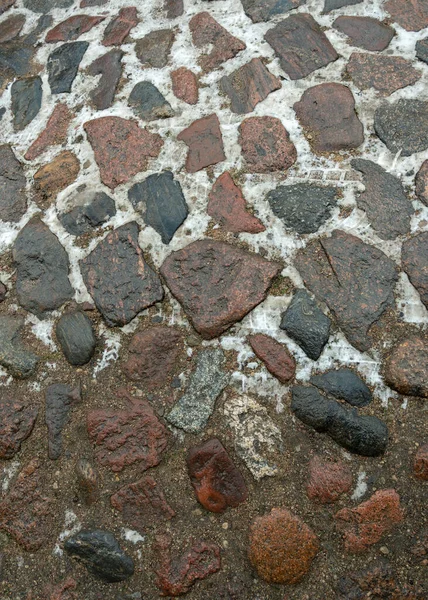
{"type": "Point", "coordinates": [213, 299]}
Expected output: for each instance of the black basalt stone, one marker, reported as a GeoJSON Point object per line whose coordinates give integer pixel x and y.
{"type": "Point", "coordinates": [96, 209]}
{"type": "Point", "coordinates": [422, 50]}
{"type": "Point", "coordinates": [63, 64]}
{"type": "Point", "coordinates": [26, 96]}
{"type": "Point", "coordinates": [345, 385]}
{"type": "Point", "coordinates": [76, 337]}
{"type": "Point", "coordinates": [59, 400]}
{"type": "Point", "coordinates": [149, 103]}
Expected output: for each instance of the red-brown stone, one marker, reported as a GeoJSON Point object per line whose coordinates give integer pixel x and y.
{"type": "Point", "coordinates": [282, 547]}
{"type": "Point", "coordinates": [127, 436]}
{"type": "Point", "coordinates": [385, 74]}
{"type": "Point", "coordinates": [185, 85]}
{"type": "Point", "coordinates": [328, 480]}
{"type": "Point", "coordinates": [275, 356]}
{"type": "Point", "coordinates": [203, 137]}
{"type": "Point", "coordinates": [414, 259]}
{"type": "Point", "coordinates": [55, 132]}
{"type": "Point", "coordinates": [420, 464]}
{"type": "Point", "coordinates": [421, 182]}
{"type": "Point", "coordinates": [411, 15]}
{"type": "Point", "coordinates": [217, 284]}
{"type": "Point", "coordinates": [16, 424]}
{"type": "Point", "coordinates": [406, 367]}
{"type": "Point", "coordinates": [54, 177]}
{"type": "Point", "coordinates": [365, 32]}
{"type": "Point", "coordinates": [366, 524]}
{"type": "Point", "coordinates": [205, 30]}
{"type": "Point", "coordinates": [118, 30]}
{"type": "Point", "coordinates": [122, 149]}
{"type": "Point", "coordinates": [218, 484]}
{"type": "Point", "coordinates": [227, 206]}
{"type": "Point", "coordinates": [5, 5]}
{"type": "Point", "coordinates": [72, 28]}
{"type": "Point", "coordinates": [266, 145]}
{"type": "Point", "coordinates": [10, 28]}
{"type": "Point", "coordinates": [64, 590]}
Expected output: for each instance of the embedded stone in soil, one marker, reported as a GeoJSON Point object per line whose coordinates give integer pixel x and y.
{"type": "Point", "coordinates": [149, 103]}
{"type": "Point", "coordinates": [87, 481]}
{"type": "Point", "coordinates": [16, 424]}
{"type": "Point", "coordinates": [414, 259]}
{"type": "Point", "coordinates": [60, 398]}
{"type": "Point", "coordinates": [92, 209]}
{"type": "Point", "coordinates": [26, 100]}
{"type": "Point", "coordinates": [268, 9]}
{"type": "Point", "coordinates": [72, 28]}
{"type": "Point", "coordinates": [154, 48]}
{"type": "Point", "coordinates": [421, 182]}
{"type": "Point", "coordinates": [385, 74]}
{"type": "Point", "coordinates": [110, 68]}
{"type": "Point", "coordinates": [54, 134]}
{"type": "Point", "coordinates": [403, 126]}
{"type": "Point", "coordinates": [204, 140]}
{"type": "Point", "coordinates": [406, 367]}
{"type": "Point", "coordinates": [119, 28]}
{"type": "Point", "coordinates": [205, 31]}
{"type": "Point", "coordinates": [365, 32]}
{"type": "Point", "coordinates": [328, 480]}
{"type": "Point", "coordinates": [343, 384]}
{"type": "Point", "coordinates": [13, 198]}
{"type": "Point", "coordinates": [76, 336]}
{"type": "Point", "coordinates": [63, 64]}
{"type": "Point", "coordinates": [420, 463]}
{"type": "Point", "coordinates": [55, 176]}
{"type": "Point", "coordinates": [20, 362]}
{"type": "Point", "coordinates": [185, 85]}
{"type": "Point", "coordinates": [412, 16]}
{"type": "Point", "coordinates": [274, 355]}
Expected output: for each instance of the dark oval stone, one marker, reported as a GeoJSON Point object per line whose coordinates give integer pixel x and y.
{"type": "Point", "coordinates": [345, 385]}
{"type": "Point", "coordinates": [76, 337]}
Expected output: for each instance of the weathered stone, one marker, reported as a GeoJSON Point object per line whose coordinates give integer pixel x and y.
{"type": "Point", "coordinates": [345, 385]}
{"type": "Point", "coordinates": [412, 15]}
{"type": "Point", "coordinates": [76, 337]}
{"type": "Point", "coordinates": [85, 3]}
{"type": "Point", "coordinates": [193, 275]}
{"type": "Point", "coordinates": [306, 324]}
{"type": "Point", "coordinates": [384, 200]}
{"type": "Point", "coordinates": [10, 28]}
{"type": "Point", "coordinates": [420, 463]}
{"type": "Point", "coordinates": [264, 10]}
{"type": "Point", "coordinates": [42, 265]}
{"type": "Point", "coordinates": [137, 145]}
{"type": "Point", "coordinates": [54, 134]}
{"type": "Point", "coordinates": [16, 424]}
{"type": "Point", "coordinates": [118, 278]}
{"type": "Point", "coordinates": [414, 259]}
{"type": "Point", "coordinates": [149, 103]}
{"type": "Point", "coordinates": [128, 436]}
{"type": "Point", "coordinates": [64, 590]}
{"type": "Point", "coordinates": [365, 32]}
{"type": "Point", "coordinates": [185, 85]}
{"type": "Point", "coordinates": [13, 200]}
{"type": "Point", "coordinates": [192, 411]}
{"type": "Point", "coordinates": [328, 480]}
{"type": "Point", "coordinates": [154, 48]}
{"type": "Point", "coordinates": [266, 145]}
{"type": "Point", "coordinates": [421, 182]}
{"type": "Point", "coordinates": [422, 50]}
{"type": "Point", "coordinates": [403, 126]}
{"type": "Point", "coordinates": [59, 400]}
{"type": "Point", "coordinates": [5, 5]}
{"type": "Point", "coordinates": [26, 97]}
{"type": "Point", "coordinates": [282, 547]}
{"type": "Point", "coordinates": [3, 292]}
{"type": "Point", "coordinates": [227, 207]}
{"type": "Point", "coordinates": [92, 209]}
{"type": "Point", "coordinates": [100, 553]}
{"type": "Point", "coordinates": [72, 28]}
{"type": "Point", "coordinates": [366, 524]}
{"type": "Point", "coordinates": [364, 435]}
{"type": "Point", "coordinates": [249, 85]}
{"type": "Point", "coordinates": [385, 74]}
{"type": "Point", "coordinates": [204, 140]}
{"type": "Point", "coordinates": [20, 362]}
{"type": "Point", "coordinates": [45, 6]}
{"type": "Point", "coordinates": [87, 481]}
{"type": "Point", "coordinates": [330, 5]}
{"type": "Point", "coordinates": [275, 356]}
{"type": "Point", "coordinates": [110, 68]}
{"type": "Point", "coordinates": [54, 177]}
{"type": "Point", "coordinates": [176, 577]}
{"type": "Point", "coordinates": [218, 484]}
{"type": "Point", "coordinates": [118, 30]}
{"type": "Point", "coordinates": [354, 279]}
{"type": "Point", "coordinates": [173, 8]}
{"type": "Point", "coordinates": [63, 64]}
{"type": "Point", "coordinates": [406, 367]}
{"type": "Point", "coordinates": [207, 31]}
{"type": "Point", "coordinates": [142, 503]}
{"type": "Point", "coordinates": [327, 113]}
{"type": "Point", "coordinates": [303, 207]}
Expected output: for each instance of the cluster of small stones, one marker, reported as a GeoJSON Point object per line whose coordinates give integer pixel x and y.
{"type": "Point", "coordinates": [157, 475]}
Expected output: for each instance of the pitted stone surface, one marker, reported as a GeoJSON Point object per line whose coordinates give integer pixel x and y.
{"type": "Point", "coordinates": [13, 201]}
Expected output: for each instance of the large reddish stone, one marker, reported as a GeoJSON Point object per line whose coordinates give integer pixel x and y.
{"type": "Point", "coordinates": [203, 137]}
{"type": "Point", "coordinates": [411, 15]}
{"type": "Point", "coordinates": [276, 356]}
{"type": "Point", "coordinates": [53, 178]}
{"type": "Point", "coordinates": [385, 74]}
{"type": "Point", "coordinates": [227, 206]}
{"type": "Point", "coordinates": [414, 259]}
{"type": "Point", "coordinates": [176, 576]}
{"type": "Point", "coordinates": [217, 284]}
{"type": "Point", "coordinates": [421, 182]}
{"type": "Point", "coordinates": [266, 145]}
{"type": "Point", "coordinates": [365, 32]}
{"type": "Point", "coordinates": [123, 437]}
{"type": "Point", "coordinates": [420, 463]}
{"type": "Point", "coordinates": [142, 503]}
{"type": "Point", "coordinates": [282, 547]}
{"type": "Point", "coordinates": [218, 484]}
{"type": "Point", "coordinates": [366, 524]}
{"type": "Point", "coordinates": [205, 30]}
{"type": "Point", "coordinates": [10, 28]}
{"type": "Point", "coordinates": [406, 367]}
{"type": "Point", "coordinates": [327, 114]}
{"type": "Point", "coordinates": [16, 424]}
{"type": "Point", "coordinates": [122, 149]}
{"type": "Point", "coordinates": [118, 30]}
{"type": "Point", "coordinates": [328, 480]}
{"type": "Point", "coordinates": [110, 68]}
{"type": "Point", "coordinates": [153, 354]}
{"type": "Point", "coordinates": [54, 134]}
{"type": "Point", "coordinates": [185, 85]}
{"type": "Point", "coordinates": [72, 28]}
{"type": "Point", "coordinates": [301, 45]}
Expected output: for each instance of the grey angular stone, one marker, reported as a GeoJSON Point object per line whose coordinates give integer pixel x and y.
{"type": "Point", "coordinates": [345, 385]}
{"type": "Point", "coordinates": [154, 48]}
{"type": "Point", "coordinates": [76, 337]}
{"type": "Point", "coordinates": [161, 202]}
{"type": "Point", "coordinates": [44, 6]}
{"type": "Point", "coordinates": [13, 356]}
{"type": "Point", "coordinates": [422, 50]}
{"type": "Point", "coordinates": [403, 126]}
{"type": "Point", "coordinates": [209, 379]}
{"type": "Point", "coordinates": [330, 5]}
{"type": "Point", "coordinates": [13, 200]}
{"type": "Point", "coordinates": [306, 324]}
{"type": "Point", "coordinates": [93, 209]}
{"type": "Point", "coordinates": [26, 96]}
{"type": "Point", "coordinates": [264, 10]}
{"type": "Point", "coordinates": [59, 400]}
{"type": "Point", "coordinates": [16, 55]}
{"type": "Point", "coordinates": [149, 103]}
{"type": "Point", "coordinates": [63, 64]}
{"type": "Point", "coordinates": [109, 66]}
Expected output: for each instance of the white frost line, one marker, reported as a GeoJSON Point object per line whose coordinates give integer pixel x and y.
{"type": "Point", "coordinates": [132, 536]}
{"type": "Point", "coordinates": [71, 526]}
{"type": "Point", "coordinates": [361, 487]}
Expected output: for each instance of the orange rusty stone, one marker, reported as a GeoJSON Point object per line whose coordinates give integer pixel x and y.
{"type": "Point", "coordinates": [54, 177]}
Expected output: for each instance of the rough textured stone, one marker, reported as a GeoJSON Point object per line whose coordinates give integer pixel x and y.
{"type": "Point", "coordinates": [154, 48]}
{"type": "Point", "coordinates": [330, 5]}
{"type": "Point", "coordinates": [227, 207]}
{"type": "Point", "coordinates": [420, 463]}
{"type": "Point", "coordinates": [72, 28]}
{"type": "Point", "coordinates": [5, 5]}
{"type": "Point", "coordinates": [118, 29]}
{"type": "Point", "coordinates": [406, 367]}
{"type": "Point", "coordinates": [345, 385]}
{"type": "Point", "coordinates": [193, 275]}
{"type": "Point", "coordinates": [100, 553]}
{"type": "Point", "coordinates": [249, 85]}
{"type": "Point", "coordinates": [422, 50]}
{"type": "Point", "coordinates": [328, 480]}
{"type": "Point", "coordinates": [185, 85]}
{"type": "Point", "coordinates": [264, 10]}
{"type": "Point", "coordinates": [385, 74]}
{"type": "Point", "coordinates": [306, 324]}
{"type": "Point", "coordinates": [87, 481]}
{"type": "Point", "coordinates": [149, 103]}
{"type": "Point", "coordinates": [414, 259]}
{"type": "Point", "coordinates": [42, 265]}
{"type": "Point", "coordinates": [13, 200]}
{"type": "Point", "coordinates": [354, 279]}
{"type": "Point", "coordinates": [85, 3]}
{"type": "Point", "coordinates": [20, 362]}
{"type": "Point", "coordinates": [118, 278]}
{"type": "Point", "coordinates": [123, 437]}
{"type": "Point", "coordinates": [3, 292]}
{"type": "Point", "coordinates": [364, 435]}
{"type": "Point", "coordinates": [16, 424]}
{"type": "Point", "coordinates": [60, 399]}
{"type": "Point", "coordinates": [384, 200]}
{"type": "Point", "coordinates": [282, 547]}
{"type": "Point", "coordinates": [192, 411]}
{"type": "Point", "coordinates": [365, 32]}
{"type": "Point", "coordinates": [224, 46]}
{"type": "Point", "coordinates": [301, 45]}
{"type": "Point", "coordinates": [275, 356]}
{"type": "Point", "coordinates": [303, 207]}
{"type": "Point", "coordinates": [54, 177]}
{"type": "Point", "coordinates": [218, 484]}
{"type": "Point", "coordinates": [110, 68]}
{"type": "Point", "coordinates": [26, 97]}
{"type": "Point", "coordinates": [63, 64]}
{"type": "Point", "coordinates": [266, 145]}
{"type": "Point", "coordinates": [10, 28]}
{"type": "Point", "coordinates": [44, 6]}
{"type": "Point", "coordinates": [204, 140]}
{"type": "Point", "coordinates": [330, 130]}
{"type": "Point", "coordinates": [173, 8]}
{"type": "Point", "coordinates": [137, 145]}
{"type": "Point", "coordinates": [411, 15]}
{"type": "Point", "coordinates": [54, 134]}
{"type": "Point", "coordinates": [76, 337]}
{"type": "Point", "coordinates": [421, 182]}
{"type": "Point", "coordinates": [92, 209]}
{"type": "Point", "coordinates": [403, 126]}
{"type": "Point", "coordinates": [366, 524]}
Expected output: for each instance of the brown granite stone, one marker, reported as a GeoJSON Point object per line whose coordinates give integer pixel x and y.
{"type": "Point", "coordinates": [275, 356]}
{"type": "Point", "coordinates": [16, 424]}
{"type": "Point", "coordinates": [328, 480]}
{"type": "Point", "coordinates": [110, 68]}
{"type": "Point", "coordinates": [72, 28]}
{"type": "Point", "coordinates": [54, 134]}
{"type": "Point", "coordinates": [412, 15]}
{"type": "Point", "coordinates": [10, 28]}
{"type": "Point", "coordinates": [420, 463]}
{"type": "Point", "coordinates": [365, 32]}
{"type": "Point", "coordinates": [414, 260]}
{"type": "Point", "coordinates": [173, 8]}
{"type": "Point", "coordinates": [154, 48]}
{"type": "Point", "coordinates": [385, 74]}
{"type": "Point", "coordinates": [54, 177]}
{"type": "Point", "coordinates": [118, 30]}
{"type": "Point", "coordinates": [406, 367]}
{"type": "Point", "coordinates": [206, 31]}
{"type": "Point", "coordinates": [205, 142]}
{"type": "Point", "coordinates": [421, 183]}
{"type": "Point", "coordinates": [185, 85]}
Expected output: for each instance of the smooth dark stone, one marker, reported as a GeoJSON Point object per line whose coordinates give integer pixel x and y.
{"type": "Point", "coordinates": [345, 385]}
{"type": "Point", "coordinates": [330, 5]}
{"type": "Point", "coordinates": [263, 10]}
{"type": "Point", "coordinates": [96, 210]}
{"type": "Point", "coordinates": [63, 64]}
{"type": "Point", "coordinates": [26, 95]}
{"type": "Point", "coordinates": [303, 207]}
{"type": "Point", "coordinates": [149, 103]}
{"type": "Point", "coordinates": [162, 203]}
{"type": "Point", "coordinates": [59, 401]}
{"type": "Point", "coordinates": [403, 126]}
{"type": "Point", "coordinates": [422, 50]}
{"type": "Point", "coordinates": [13, 355]}
{"type": "Point", "coordinates": [306, 324]}
{"type": "Point", "coordinates": [100, 553]}
{"type": "Point", "coordinates": [109, 66]}
{"type": "Point", "coordinates": [44, 6]}
{"type": "Point", "coordinates": [76, 337]}
{"type": "Point", "coordinates": [13, 198]}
